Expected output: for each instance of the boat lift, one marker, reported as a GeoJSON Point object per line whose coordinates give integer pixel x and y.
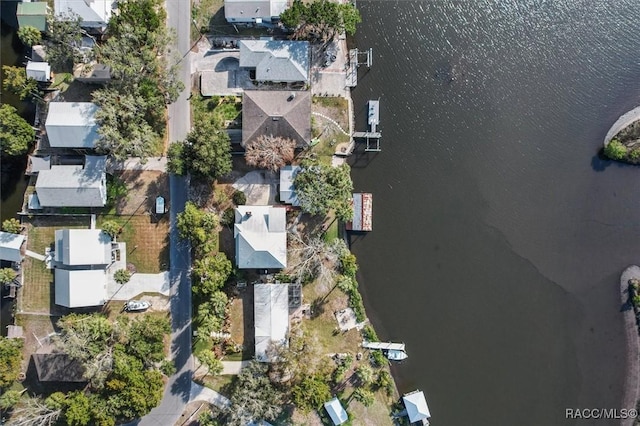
{"type": "Point", "coordinates": [373, 135]}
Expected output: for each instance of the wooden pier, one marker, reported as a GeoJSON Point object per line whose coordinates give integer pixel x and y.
{"type": "Point", "coordinates": [354, 63]}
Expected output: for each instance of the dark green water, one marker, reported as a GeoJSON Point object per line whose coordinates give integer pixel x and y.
{"type": "Point", "coordinates": [499, 235]}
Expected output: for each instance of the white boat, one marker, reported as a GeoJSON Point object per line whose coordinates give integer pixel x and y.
{"type": "Point", "coordinates": [136, 305]}
{"type": "Point", "coordinates": [395, 355]}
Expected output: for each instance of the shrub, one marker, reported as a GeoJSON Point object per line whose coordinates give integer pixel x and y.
{"type": "Point", "coordinates": [168, 367]}
{"type": "Point", "coordinates": [7, 275]}
{"type": "Point", "coordinates": [369, 334]}
{"type": "Point", "coordinates": [111, 227]}
{"type": "Point", "coordinates": [122, 276]}
{"type": "Point", "coordinates": [239, 198]}
{"type": "Point", "coordinates": [377, 359]}
{"type": "Point", "coordinates": [12, 225]}
{"type": "Point", "coordinates": [634, 154]}
{"type": "Point", "coordinates": [228, 217]}
{"type": "Point", "coordinates": [615, 150]}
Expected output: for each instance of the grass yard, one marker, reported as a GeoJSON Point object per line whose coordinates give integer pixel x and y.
{"type": "Point", "coordinates": [326, 131]}
{"type": "Point", "coordinates": [223, 108]}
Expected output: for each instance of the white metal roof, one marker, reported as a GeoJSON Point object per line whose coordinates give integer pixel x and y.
{"type": "Point", "coordinates": [287, 190]}
{"type": "Point", "coordinates": [336, 411]}
{"type": "Point", "coordinates": [78, 288]}
{"type": "Point", "coordinates": [261, 237]}
{"type": "Point", "coordinates": [39, 71]}
{"type": "Point", "coordinates": [271, 316]}
{"type": "Point", "coordinates": [82, 247]}
{"type": "Point", "coordinates": [94, 13]}
{"type": "Point", "coordinates": [416, 406]}
{"type": "Point", "coordinates": [10, 246]}
{"type": "Point", "coordinates": [72, 125]}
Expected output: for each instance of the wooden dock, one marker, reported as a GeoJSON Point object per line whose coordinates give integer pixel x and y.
{"type": "Point", "coordinates": [372, 135]}
{"type": "Point", "coordinates": [362, 213]}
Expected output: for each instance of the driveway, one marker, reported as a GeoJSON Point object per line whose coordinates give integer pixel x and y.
{"type": "Point", "coordinates": [332, 79]}
{"type": "Point", "coordinates": [260, 187]}
{"type": "Point", "coordinates": [219, 72]}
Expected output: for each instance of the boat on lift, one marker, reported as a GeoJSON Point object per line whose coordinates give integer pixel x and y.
{"type": "Point", "coordinates": [393, 351]}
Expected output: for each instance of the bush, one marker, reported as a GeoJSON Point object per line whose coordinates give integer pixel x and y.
{"type": "Point", "coordinates": [168, 367]}
{"type": "Point", "coordinates": [228, 217]}
{"type": "Point", "coordinates": [116, 189]}
{"type": "Point", "coordinates": [12, 226]}
{"type": "Point", "coordinates": [615, 150]}
{"type": "Point", "coordinates": [377, 359]}
{"type": "Point", "coordinates": [122, 276]}
{"type": "Point", "coordinates": [369, 334]}
{"type": "Point", "coordinates": [239, 199]}
{"type": "Point", "coordinates": [111, 228]}
{"type": "Point", "coordinates": [634, 154]}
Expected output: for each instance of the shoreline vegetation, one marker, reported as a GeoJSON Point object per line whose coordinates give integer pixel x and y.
{"type": "Point", "coordinates": [630, 302]}
{"type": "Point", "coordinates": [622, 142]}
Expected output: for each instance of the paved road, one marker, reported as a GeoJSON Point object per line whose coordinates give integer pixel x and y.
{"type": "Point", "coordinates": [178, 390]}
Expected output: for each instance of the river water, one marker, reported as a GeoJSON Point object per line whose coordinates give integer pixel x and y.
{"type": "Point", "coordinates": [499, 234]}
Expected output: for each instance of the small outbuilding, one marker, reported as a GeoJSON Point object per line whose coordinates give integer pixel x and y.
{"type": "Point", "coordinates": [80, 288]}
{"type": "Point", "coordinates": [33, 14]}
{"type": "Point", "coordinates": [336, 411]}
{"type": "Point", "coordinates": [271, 317]}
{"type": "Point", "coordinates": [10, 246]}
{"type": "Point", "coordinates": [39, 71]}
{"type": "Point", "coordinates": [416, 405]}
{"type": "Point", "coordinates": [287, 190]}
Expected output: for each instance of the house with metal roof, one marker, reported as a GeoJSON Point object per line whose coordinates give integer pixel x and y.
{"type": "Point", "coordinates": [276, 113]}
{"type": "Point", "coordinates": [336, 411]}
{"type": "Point", "coordinates": [33, 14]}
{"type": "Point", "coordinates": [95, 14]}
{"type": "Point", "coordinates": [261, 237]}
{"type": "Point", "coordinates": [72, 125]}
{"type": "Point", "coordinates": [416, 405]}
{"type": "Point", "coordinates": [82, 247]}
{"type": "Point", "coordinates": [271, 317]}
{"type": "Point", "coordinates": [80, 288]}
{"type": "Point", "coordinates": [259, 12]}
{"type": "Point", "coordinates": [39, 71]}
{"type": "Point", "coordinates": [280, 61]}
{"type": "Point", "coordinates": [10, 246]}
{"type": "Point", "coordinates": [73, 186]}
{"type": "Point", "coordinates": [287, 190]}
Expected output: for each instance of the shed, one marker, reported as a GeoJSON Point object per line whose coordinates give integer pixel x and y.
{"type": "Point", "coordinates": [287, 190]}
{"type": "Point", "coordinates": [416, 405]}
{"type": "Point", "coordinates": [58, 367]}
{"type": "Point", "coordinates": [271, 316]}
{"type": "Point", "coordinates": [10, 245]}
{"type": "Point", "coordinates": [336, 411]}
{"type": "Point", "coordinates": [39, 71]}
{"type": "Point", "coordinates": [72, 125]}
{"type": "Point", "coordinates": [32, 14]}
{"type": "Point", "coordinates": [76, 247]}
{"type": "Point", "coordinates": [80, 288]}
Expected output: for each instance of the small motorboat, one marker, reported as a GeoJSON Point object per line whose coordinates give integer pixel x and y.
{"type": "Point", "coordinates": [136, 305]}
{"type": "Point", "coordinates": [395, 355]}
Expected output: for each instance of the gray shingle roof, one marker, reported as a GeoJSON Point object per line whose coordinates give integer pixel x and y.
{"type": "Point", "coordinates": [74, 186]}
{"type": "Point", "coordinates": [276, 60]}
{"type": "Point", "coordinates": [58, 367]}
{"type": "Point", "coordinates": [276, 113]}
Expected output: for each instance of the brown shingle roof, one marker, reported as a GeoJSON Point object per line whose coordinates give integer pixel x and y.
{"type": "Point", "coordinates": [278, 113]}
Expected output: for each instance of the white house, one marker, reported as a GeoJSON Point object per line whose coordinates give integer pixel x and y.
{"type": "Point", "coordinates": [10, 245]}
{"type": "Point", "coordinates": [254, 11]}
{"type": "Point", "coordinates": [416, 405]}
{"type": "Point", "coordinates": [271, 317]}
{"type": "Point", "coordinates": [72, 125]}
{"type": "Point", "coordinates": [287, 190]}
{"type": "Point", "coordinates": [336, 411]}
{"type": "Point", "coordinates": [80, 288]}
{"type": "Point", "coordinates": [95, 14]}
{"type": "Point", "coordinates": [39, 71]}
{"type": "Point", "coordinates": [82, 247]}
{"type": "Point", "coordinates": [276, 60]}
{"type": "Point", "coordinates": [73, 186]}
{"type": "Point", "coordinates": [261, 237]}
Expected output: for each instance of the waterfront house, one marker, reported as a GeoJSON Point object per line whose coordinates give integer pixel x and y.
{"type": "Point", "coordinates": [58, 367]}
{"type": "Point", "coordinates": [72, 186]}
{"type": "Point", "coordinates": [33, 14]}
{"type": "Point", "coordinates": [72, 125]}
{"type": "Point", "coordinates": [95, 14]}
{"type": "Point", "coordinates": [258, 12]}
{"type": "Point", "coordinates": [416, 405]}
{"type": "Point", "coordinates": [39, 71]}
{"type": "Point", "coordinates": [287, 190]}
{"type": "Point", "coordinates": [90, 248]}
{"type": "Point", "coordinates": [80, 288]}
{"type": "Point", "coordinates": [336, 411]}
{"type": "Point", "coordinates": [11, 246]}
{"type": "Point", "coordinates": [276, 113]}
{"type": "Point", "coordinates": [277, 61]}
{"type": "Point", "coordinates": [271, 318]}
{"type": "Point", "coordinates": [261, 237]}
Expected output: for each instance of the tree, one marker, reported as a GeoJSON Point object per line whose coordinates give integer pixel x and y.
{"type": "Point", "coordinates": [364, 396]}
{"type": "Point", "coordinates": [111, 228]}
{"type": "Point", "coordinates": [78, 409]}
{"type": "Point", "coordinates": [10, 359]}
{"type": "Point", "coordinates": [321, 188]}
{"type": "Point", "coordinates": [17, 82]}
{"type": "Point", "coordinates": [253, 397]}
{"type": "Point", "coordinates": [7, 275]}
{"type": "Point", "coordinates": [208, 358]}
{"type": "Point", "coordinates": [313, 258]}
{"type": "Point", "coordinates": [12, 225]}
{"type": "Point", "coordinates": [146, 338]}
{"type": "Point", "coordinates": [311, 393]}
{"type": "Point", "coordinates": [239, 199]}
{"type": "Point", "coordinates": [64, 35]}
{"type": "Point", "coordinates": [270, 152]}
{"type": "Point", "coordinates": [175, 159]}
{"type": "Point", "coordinates": [122, 276]}
{"type": "Point", "coordinates": [35, 412]}
{"type": "Point", "coordinates": [16, 135]}
{"type": "Point", "coordinates": [199, 227]}
{"type": "Point", "coordinates": [29, 35]}
{"type": "Point", "coordinates": [321, 18]}
{"type": "Point", "coordinates": [207, 151]}
{"type": "Point", "coordinates": [211, 314]}
{"type": "Point", "coordinates": [9, 398]}
{"type": "Point", "coordinates": [210, 273]}
{"type": "Point", "coordinates": [615, 150]}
